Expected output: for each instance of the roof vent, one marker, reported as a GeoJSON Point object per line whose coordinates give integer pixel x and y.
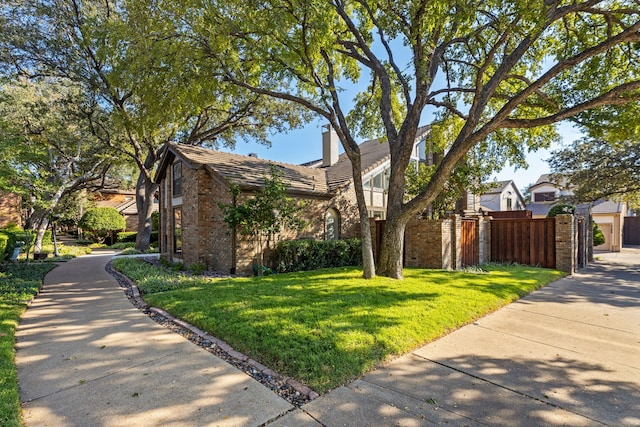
{"type": "Point", "coordinates": [253, 155]}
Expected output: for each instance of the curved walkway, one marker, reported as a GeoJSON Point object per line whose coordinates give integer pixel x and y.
{"type": "Point", "coordinates": [568, 354]}
{"type": "Point", "coordinates": [87, 357]}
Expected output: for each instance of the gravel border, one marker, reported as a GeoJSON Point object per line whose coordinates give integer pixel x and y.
{"type": "Point", "coordinates": [288, 388]}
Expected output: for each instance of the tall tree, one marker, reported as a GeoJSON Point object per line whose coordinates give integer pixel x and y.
{"type": "Point", "coordinates": [48, 151]}
{"type": "Point", "coordinates": [132, 63]}
{"type": "Point", "coordinates": [600, 169]}
{"type": "Point", "coordinates": [500, 72]}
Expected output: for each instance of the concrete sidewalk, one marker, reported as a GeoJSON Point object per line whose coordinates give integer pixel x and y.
{"type": "Point", "coordinates": [87, 357]}
{"type": "Point", "coordinates": [568, 354]}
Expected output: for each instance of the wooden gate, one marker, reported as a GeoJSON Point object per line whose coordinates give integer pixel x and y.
{"type": "Point", "coordinates": [469, 242]}
{"type": "Point", "coordinates": [631, 230]}
{"type": "Point", "coordinates": [524, 241]}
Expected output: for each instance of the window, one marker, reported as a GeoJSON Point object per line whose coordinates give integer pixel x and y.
{"type": "Point", "coordinates": [177, 230]}
{"type": "Point", "coordinates": [548, 196]}
{"type": "Point", "coordinates": [331, 225]}
{"type": "Point", "coordinates": [509, 204]}
{"type": "Point", "coordinates": [377, 181]}
{"type": "Point", "coordinates": [367, 184]}
{"type": "Point", "coordinates": [177, 179]}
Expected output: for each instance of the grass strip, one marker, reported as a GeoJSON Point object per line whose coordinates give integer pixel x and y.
{"type": "Point", "coordinates": [327, 327]}
{"type": "Point", "coordinates": [19, 282]}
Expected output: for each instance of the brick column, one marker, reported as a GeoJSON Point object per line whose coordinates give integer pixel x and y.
{"type": "Point", "coordinates": [566, 246]}
{"type": "Point", "coordinates": [428, 244]}
{"type": "Point", "coordinates": [456, 242]}
{"type": "Point", "coordinates": [484, 239]}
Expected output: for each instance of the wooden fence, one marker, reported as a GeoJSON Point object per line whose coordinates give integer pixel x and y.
{"type": "Point", "coordinates": [631, 230]}
{"type": "Point", "coordinates": [469, 242]}
{"type": "Point", "coordinates": [524, 241]}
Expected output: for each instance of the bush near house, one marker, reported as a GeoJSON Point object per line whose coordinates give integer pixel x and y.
{"type": "Point", "coordinates": [126, 236]}
{"type": "Point", "coordinates": [309, 254]}
{"type": "Point", "coordinates": [598, 236]}
{"type": "Point", "coordinates": [560, 210]}
{"type": "Point", "coordinates": [5, 245]}
{"type": "Point", "coordinates": [102, 223]}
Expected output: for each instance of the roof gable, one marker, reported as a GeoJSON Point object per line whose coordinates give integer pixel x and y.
{"type": "Point", "coordinates": [246, 171]}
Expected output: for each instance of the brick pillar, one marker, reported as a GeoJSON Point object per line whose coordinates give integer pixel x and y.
{"type": "Point", "coordinates": [428, 244]}
{"type": "Point", "coordinates": [483, 229]}
{"type": "Point", "coordinates": [566, 246]}
{"type": "Point", "coordinates": [456, 242]}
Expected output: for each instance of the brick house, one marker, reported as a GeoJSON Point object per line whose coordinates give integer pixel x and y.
{"type": "Point", "coordinates": [193, 181]}
{"type": "Point", "coordinates": [10, 208]}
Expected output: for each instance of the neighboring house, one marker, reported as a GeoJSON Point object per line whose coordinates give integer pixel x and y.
{"type": "Point", "coordinates": [124, 201]}
{"type": "Point", "coordinates": [609, 215]}
{"type": "Point", "coordinates": [193, 181]}
{"type": "Point", "coordinates": [10, 209]}
{"type": "Point", "coordinates": [502, 196]}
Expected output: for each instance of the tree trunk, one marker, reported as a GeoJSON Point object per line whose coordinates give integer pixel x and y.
{"type": "Point", "coordinates": [42, 228]}
{"type": "Point", "coordinates": [145, 191]}
{"type": "Point", "coordinates": [368, 263]}
{"type": "Point", "coordinates": [392, 247]}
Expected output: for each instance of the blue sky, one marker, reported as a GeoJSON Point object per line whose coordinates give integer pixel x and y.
{"type": "Point", "coordinates": [305, 144]}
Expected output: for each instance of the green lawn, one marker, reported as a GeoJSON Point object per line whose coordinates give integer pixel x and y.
{"type": "Point", "coordinates": [18, 284]}
{"type": "Point", "coordinates": [328, 327]}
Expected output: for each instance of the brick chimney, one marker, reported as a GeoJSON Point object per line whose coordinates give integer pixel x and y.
{"type": "Point", "coordinates": [330, 144]}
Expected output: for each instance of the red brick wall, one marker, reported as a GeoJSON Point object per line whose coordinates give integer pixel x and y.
{"type": "Point", "coordinates": [206, 238]}
{"type": "Point", "coordinates": [10, 206]}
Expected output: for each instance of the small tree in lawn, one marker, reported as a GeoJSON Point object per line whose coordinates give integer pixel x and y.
{"type": "Point", "coordinates": [266, 215]}
{"type": "Point", "coordinates": [102, 222]}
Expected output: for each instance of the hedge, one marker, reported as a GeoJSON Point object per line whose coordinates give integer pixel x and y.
{"type": "Point", "coordinates": [130, 236]}
{"type": "Point", "coordinates": [309, 254]}
{"type": "Point", "coordinates": [4, 243]}
{"type": "Point", "coordinates": [126, 236]}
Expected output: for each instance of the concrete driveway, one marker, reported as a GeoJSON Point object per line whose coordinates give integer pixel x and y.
{"type": "Point", "coordinates": [568, 354]}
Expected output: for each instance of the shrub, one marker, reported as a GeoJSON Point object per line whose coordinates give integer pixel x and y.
{"type": "Point", "coordinates": [4, 243]}
{"type": "Point", "coordinates": [598, 236]}
{"type": "Point", "coordinates": [123, 245]}
{"type": "Point", "coordinates": [197, 268]}
{"type": "Point", "coordinates": [102, 222]}
{"type": "Point", "coordinates": [155, 221]}
{"type": "Point", "coordinates": [559, 210]}
{"type": "Point", "coordinates": [309, 254]}
{"type": "Point", "coordinates": [126, 236]}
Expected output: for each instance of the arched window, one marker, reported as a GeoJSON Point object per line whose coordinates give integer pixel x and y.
{"type": "Point", "coordinates": [331, 225]}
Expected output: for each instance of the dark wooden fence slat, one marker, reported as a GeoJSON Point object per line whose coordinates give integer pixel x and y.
{"type": "Point", "coordinates": [523, 241]}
